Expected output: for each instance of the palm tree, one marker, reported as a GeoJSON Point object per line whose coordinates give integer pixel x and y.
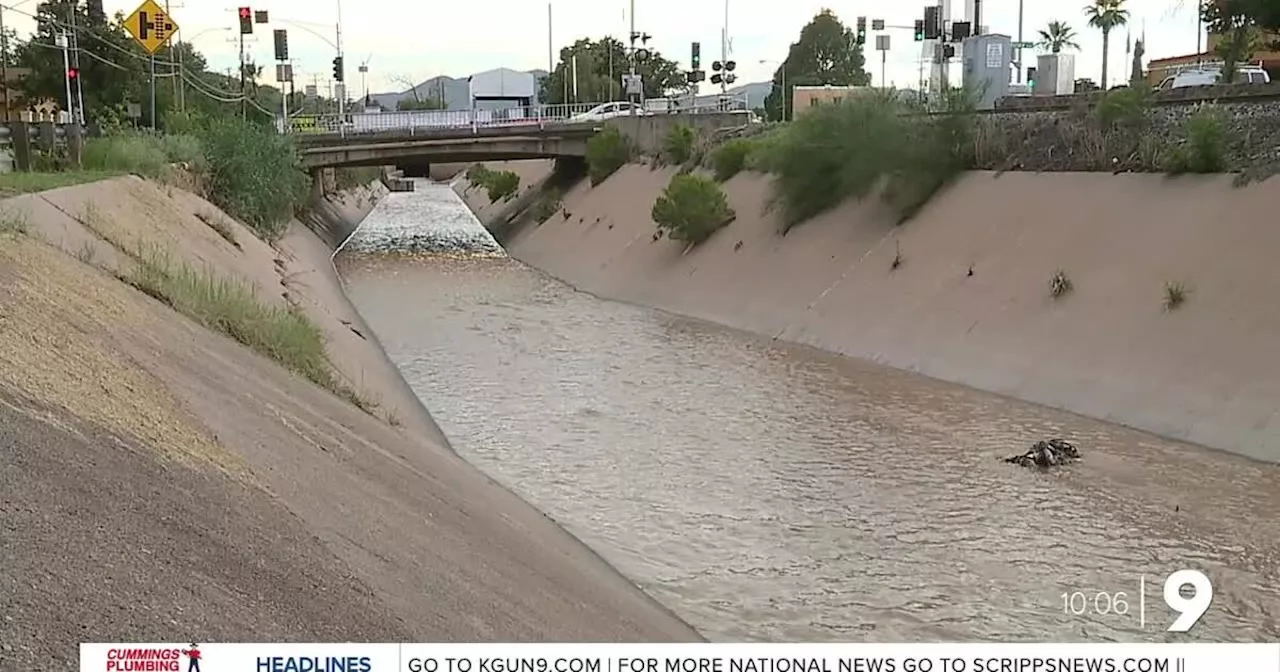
{"type": "Point", "coordinates": [1106, 15]}
{"type": "Point", "coordinates": [1058, 36]}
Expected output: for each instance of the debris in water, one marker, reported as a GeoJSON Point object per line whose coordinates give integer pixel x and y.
{"type": "Point", "coordinates": [1051, 453]}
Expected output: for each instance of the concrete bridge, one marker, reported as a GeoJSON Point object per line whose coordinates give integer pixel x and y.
{"type": "Point", "coordinates": [417, 146]}
{"type": "Point", "coordinates": [455, 147]}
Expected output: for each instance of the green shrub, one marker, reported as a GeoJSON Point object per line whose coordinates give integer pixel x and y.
{"type": "Point", "coordinates": [1204, 147]}
{"type": "Point", "coordinates": [863, 144]}
{"type": "Point", "coordinates": [677, 147]}
{"type": "Point", "coordinates": [548, 204]}
{"type": "Point", "coordinates": [1124, 107]}
{"type": "Point", "coordinates": [607, 151]}
{"type": "Point", "coordinates": [254, 173]}
{"type": "Point", "coordinates": [498, 184]}
{"type": "Point", "coordinates": [501, 185]}
{"type": "Point", "coordinates": [691, 208]}
{"type": "Point", "coordinates": [143, 154]}
{"type": "Point", "coordinates": [731, 157]}
{"type": "Point", "coordinates": [233, 308]}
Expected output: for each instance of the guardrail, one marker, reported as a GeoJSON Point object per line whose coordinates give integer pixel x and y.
{"type": "Point", "coordinates": [1221, 93]}
{"type": "Point", "coordinates": [539, 116]}
{"type": "Point", "coordinates": [40, 145]}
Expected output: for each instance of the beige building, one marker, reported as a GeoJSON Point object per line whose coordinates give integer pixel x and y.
{"type": "Point", "coordinates": [805, 97]}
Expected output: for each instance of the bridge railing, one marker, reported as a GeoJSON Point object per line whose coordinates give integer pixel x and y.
{"type": "Point", "coordinates": [538, 116]}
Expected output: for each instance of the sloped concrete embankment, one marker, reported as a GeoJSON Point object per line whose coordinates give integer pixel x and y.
{"type": "Point", "coordinates": [1205, 372]}
{"type": "Point", "coordinates": [162, 482]}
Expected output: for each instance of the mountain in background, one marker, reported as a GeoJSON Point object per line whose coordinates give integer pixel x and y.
{"type": "Point", "coordinates": [456, 93]}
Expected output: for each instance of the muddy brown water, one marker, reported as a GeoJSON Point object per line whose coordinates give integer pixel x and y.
{"type": "Point", "coordinates": [765, 491]}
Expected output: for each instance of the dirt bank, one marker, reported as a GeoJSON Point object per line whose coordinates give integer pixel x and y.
{"type": "Point", "coordinates": [1205, 372]}
{"type": "Point", "coordinates": [162, 482]}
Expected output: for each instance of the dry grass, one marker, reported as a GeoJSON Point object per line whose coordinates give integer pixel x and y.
{"type": "Point", "coordinates": [1175, 294]}
{"type": "Point", "coordinates": [22, 182]}
{"type": "Point", "coordinates": [58, 325]}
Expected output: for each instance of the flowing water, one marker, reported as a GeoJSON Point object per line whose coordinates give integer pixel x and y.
{"type": "Point", "coordinates": [772, 492]}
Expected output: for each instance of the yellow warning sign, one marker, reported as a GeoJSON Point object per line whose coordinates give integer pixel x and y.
{"type": "Point", "coordinates": [151, 26]}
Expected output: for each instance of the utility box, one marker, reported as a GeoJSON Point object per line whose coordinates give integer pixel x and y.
{"type": "Point", "coordinates": [987, 59]}
{"type": "Point", "coordinates": [1055, 75]}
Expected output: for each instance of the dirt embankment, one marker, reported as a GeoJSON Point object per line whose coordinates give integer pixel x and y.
{"type": "Point", "coordinates": [162, 482]}
{"type": "Point", "coordinates": [969, 298]}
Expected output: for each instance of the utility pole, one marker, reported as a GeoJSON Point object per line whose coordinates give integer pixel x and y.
{"type": "Point", "coordinates": [244, 102]}
{"type": "Point", "coordinates": [1020, 68]}
{"type": "Point", "coordinates": [77, 113]}
{"type": "Point", "coordinates": [724, 46]}
{"type": "Point", "coordinates": [551, 61]}
{"type": "Point", "coordinates": [61, 41]}
{"type": "Point", "coordinates": [632, 17]}
{"type": "Point", "coordinates": [4, 63]}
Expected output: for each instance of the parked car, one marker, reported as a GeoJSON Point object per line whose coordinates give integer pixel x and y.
{"type": "Point", "coordinates": [1212, 74]}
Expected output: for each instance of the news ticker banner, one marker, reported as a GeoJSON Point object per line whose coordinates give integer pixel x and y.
{"type": "Point", "coordinates": [679, 657]}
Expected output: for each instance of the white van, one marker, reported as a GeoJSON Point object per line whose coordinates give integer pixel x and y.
{"type": "Point", "coordinates": [1210, 75]}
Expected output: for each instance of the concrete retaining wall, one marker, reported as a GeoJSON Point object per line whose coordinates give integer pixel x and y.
{"type": "Point", "coordinates": [1208, 372]}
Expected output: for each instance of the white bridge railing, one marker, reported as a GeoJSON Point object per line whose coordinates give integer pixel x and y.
{"type": "Point", "coordinates": [537, 116]}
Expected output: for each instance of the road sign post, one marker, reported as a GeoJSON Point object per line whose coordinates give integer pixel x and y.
{"type": "Point", "coordinates": [882, 46]}
{"type": "Point", "coordinates": [152, 27]}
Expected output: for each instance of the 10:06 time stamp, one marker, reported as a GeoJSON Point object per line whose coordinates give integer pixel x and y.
{"type": "Point", "coordinates": [1189, 610]}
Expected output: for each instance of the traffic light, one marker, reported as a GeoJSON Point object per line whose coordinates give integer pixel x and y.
{"type": "Point", "coordinates": [932, 23]}
{"type": "Point", "coordinates": [862, 30]}
{"type": "Point", "coordinates": [282, 45]}
{"type": "Point", "coordinates": [337, 69]}
{"type": "Point", "coordinates": [72, 74]}
{"type": "Point", "coordinates": [919, 30]}
{"type": "Point", "coordinates": [246, 21]}
{"type": "Point", "coordinates": [1031, 76]}
{"type": "Point", "coordinates": [695, 56]}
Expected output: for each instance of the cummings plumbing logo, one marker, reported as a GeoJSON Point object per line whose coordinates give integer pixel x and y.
{"type": "Point", "coordinates": [153, 659]}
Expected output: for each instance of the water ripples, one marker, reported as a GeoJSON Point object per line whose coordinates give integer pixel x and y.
{"type": "Point", "coordinates": [770, 492]}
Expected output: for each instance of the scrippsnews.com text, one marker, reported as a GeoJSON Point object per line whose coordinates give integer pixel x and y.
{"type": "Point", "coordinates": [869, 664]}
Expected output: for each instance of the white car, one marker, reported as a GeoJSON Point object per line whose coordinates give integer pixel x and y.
{"type": "Point", "coordinates": [608, 111]}
{"type": "Point", "coordinates": [1210, 75]}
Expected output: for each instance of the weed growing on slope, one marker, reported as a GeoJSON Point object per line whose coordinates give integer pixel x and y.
{"type": "Point", "coordinates": [1124, 107]}
{"type": "Point", "coordinates": [607, 151]}
{"type": "Point", "coordinates": [1204, 147]}
{"type": "Point", "coordinates": [730, 158]}
{"type": "Point", "coordinates": [498, 184]}
{"type": "Point", "coordinates": [677, 147]}
{"type": "Point", "coordinates": [865, 144]}
{"type": "Point", "coordinates": [232, 307]}
{"type": "Point", "coordinates": [12, 222]}
{"type": "Point", "coordinates": [1060, 285]}
{"type": "Point", "coordinates": [691, 208]}
{"type": "Point", "coordinates": [1175, 294]}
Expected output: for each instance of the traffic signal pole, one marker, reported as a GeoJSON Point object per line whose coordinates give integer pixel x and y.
{"type": "Point", "coordinates": [244, 102]}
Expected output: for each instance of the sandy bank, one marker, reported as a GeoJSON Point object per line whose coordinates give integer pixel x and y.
{"type": "Point", "coordinates": [1207, 372]}
{"type": "Point", "coordinates": [160, 482]}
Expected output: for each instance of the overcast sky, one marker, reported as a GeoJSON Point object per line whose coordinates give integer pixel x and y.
{"type": "Point", "coordinates": [417, 39]}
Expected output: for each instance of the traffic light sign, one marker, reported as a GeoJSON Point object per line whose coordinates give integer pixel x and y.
{"type": "Point", "coordinates": [932, 23]}
{"type": "Point", "coordinates": [862, 30]}
{"type": "Point", "coordinates": [72, 74]}
{"type": "Point", "coordinates": [337, 69]}
{"type": "Point", "coordinates": [1031, 76]}
{"type": "Point", "coordinates": [246, 21]}
{"type": "Point", "coordinates": [695, 56]}
{"type": "Point", "coordinates": [919, 30]}
{"type": "Point", "coordinates": [282, 45]}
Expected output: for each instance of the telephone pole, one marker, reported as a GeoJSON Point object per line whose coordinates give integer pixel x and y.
{"type": "Point", "coordinates": [244, 102]}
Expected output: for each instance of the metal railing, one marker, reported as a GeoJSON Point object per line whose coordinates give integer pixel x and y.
{"type": "Point", "coordinates": [47, 144]}
{"type": "Point", "coordinates": [533, 116]}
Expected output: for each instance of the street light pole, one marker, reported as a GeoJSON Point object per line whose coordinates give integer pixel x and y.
{"type": "Point", "coordinates": [631, 81]}
{"type": "Point", "coordinates": [342, 86]}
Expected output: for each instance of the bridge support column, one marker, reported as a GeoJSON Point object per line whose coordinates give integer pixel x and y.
{"type": "Point", "coordinates": [415, 168]}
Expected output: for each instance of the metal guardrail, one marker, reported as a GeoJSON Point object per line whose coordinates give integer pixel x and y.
{"type": "Point", "coordinates": [42, 136]}
{"type": "Point", "coordinates": [537, 116]}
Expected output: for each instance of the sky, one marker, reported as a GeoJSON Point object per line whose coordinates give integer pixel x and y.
{"type": "Point", "coordinates": [411, 40]}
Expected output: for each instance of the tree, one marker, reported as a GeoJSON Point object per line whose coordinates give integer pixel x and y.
{"type": "Point", "coordinates": [405, 104]}
{"type": "Point", "coordinates": [1106, 16]}
{"type": "Point", "coordinates": [106, 84]}
{"type": "Point", "coordinates": [599, 69]}
{"type": "Point", "coordinates": [1056, 36]}
{"type": "Point", "coordinates": [1237, 22]}
{"type": "Point", "coordinates": [827, 53]}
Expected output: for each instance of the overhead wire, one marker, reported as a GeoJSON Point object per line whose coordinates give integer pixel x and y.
{"type": "Point", "coordinates": [176, 69]}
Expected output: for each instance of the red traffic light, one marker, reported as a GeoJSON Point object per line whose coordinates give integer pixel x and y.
{"type": "Point", "coordinates": [72, 73]}
{"type": "Point", "coordinates": [245, 12]}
